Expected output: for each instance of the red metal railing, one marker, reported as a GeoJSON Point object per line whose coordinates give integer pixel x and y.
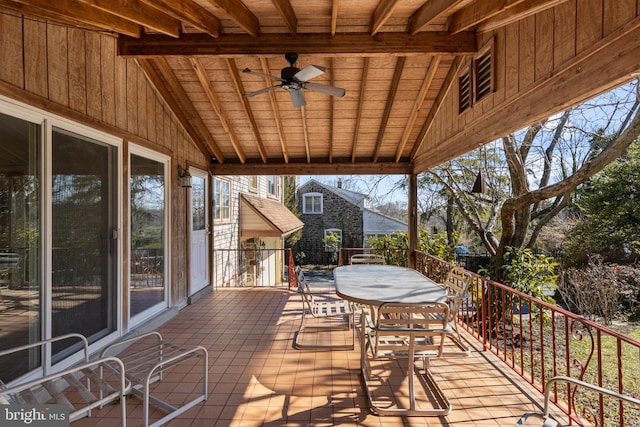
{"type": "Point", "coordinates": [539, 340]}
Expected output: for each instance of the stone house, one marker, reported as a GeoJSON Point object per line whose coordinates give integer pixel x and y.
{"type": "Point", "coordinates": [343, 213]}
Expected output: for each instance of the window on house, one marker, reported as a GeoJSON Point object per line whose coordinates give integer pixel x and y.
{"type": "Point", "coordinates": [312, 203]}
{"type": "Point", "coordinates": [332, 240]}
{"type": "Point", "coordinates": [274, 184]}
{"type": "Point", "coordinates": [221, 200]}
{"type": "Point", "coordinates": [253, 183]}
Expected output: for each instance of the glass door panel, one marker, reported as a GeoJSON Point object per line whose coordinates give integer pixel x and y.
{"type": "Point", "coordinates": [147, 189]}
{"type": "Point", "coordinates": [20, 237]}
{"type": "Point", "coordinates": [83, 259]}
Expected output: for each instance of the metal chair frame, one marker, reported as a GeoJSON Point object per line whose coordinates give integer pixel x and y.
{"type": "Point", "coordinates": [406, 331]}
{"type": "Point", "coordinates": [326, 308]}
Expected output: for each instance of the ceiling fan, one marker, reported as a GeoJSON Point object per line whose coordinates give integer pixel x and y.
{"type": "Point", "coordinates": [294, 80]}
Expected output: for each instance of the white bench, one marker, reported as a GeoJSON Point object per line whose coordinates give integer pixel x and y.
{"type": "Point", "coordinates": [85, 381]}
{"type": "Point", "coordinates": [145, 362]}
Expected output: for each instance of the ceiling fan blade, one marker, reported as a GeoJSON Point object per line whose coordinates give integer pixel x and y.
{"type": "Point", "coordinates": [329, 90]}
{"type": "Point", "coordinates": [309, 72]}
{"type": "Point", "coordinates": [297, 97]}
{"type": "Point", "coordinates": [263, 90]}
{"type": "Point", "coordinates": [268, 76]}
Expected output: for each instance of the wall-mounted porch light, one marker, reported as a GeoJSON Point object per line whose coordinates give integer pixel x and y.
{"type": "Point", "coordinates": [184, 177]}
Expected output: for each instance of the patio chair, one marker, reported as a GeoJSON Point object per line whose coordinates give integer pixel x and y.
{"type": "Point", "coordinates": [367, 259]}
{"type": "Point", "coordinates": [457, 285]}
{"type": "Point", "coordinates": [550, 421]}
{"type": "Point", "coordinates": [325, 308]}
{"type": "Point", "coordinates": [406, 331]}
{"type": "Point", "coordinates": [81, 387]}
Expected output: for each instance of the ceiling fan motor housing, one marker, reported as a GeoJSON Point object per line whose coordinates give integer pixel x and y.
{"type": "Point", "coordinates": [287, 73]}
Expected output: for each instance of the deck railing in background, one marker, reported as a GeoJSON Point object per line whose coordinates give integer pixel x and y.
{"type": "Point", "coordinates": [391, 256]}
{"type": "Point", "coordinates": [253, 267]}
{"type": "Point", "coordinates": [539, 341]}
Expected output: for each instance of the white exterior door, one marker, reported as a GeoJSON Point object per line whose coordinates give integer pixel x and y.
{"type": "Point", "coordinates": [199, 228]}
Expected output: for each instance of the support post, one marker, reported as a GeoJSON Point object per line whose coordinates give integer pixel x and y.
{"type": "Point", "coordinates": [413, 220]}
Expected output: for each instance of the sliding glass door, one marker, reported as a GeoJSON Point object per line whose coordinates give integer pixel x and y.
{"type": "Point", "coordinates": [147, 202]}
{"type": "Point", "coordinates": [84, 236]}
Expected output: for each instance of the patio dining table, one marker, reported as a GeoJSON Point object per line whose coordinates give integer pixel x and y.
{"type": "Point", "coordinates": [374, 285]}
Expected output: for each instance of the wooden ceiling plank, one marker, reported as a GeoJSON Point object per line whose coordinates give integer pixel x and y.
{"type": "Point", "coordinates": [383, 11]}
{"type": "Point", "coordinates": [190, 13]}
{"type": "Point", "coordinates": [237, 83]}
{"type": "Point", "coordinates": [140, 13]}
{"type": "Point", "coordinates": [352, 44]}
{"type": "Point", "coordinates": [240, 14]}
{"type": "Point", "coordinates": [518, 12]}
{"type": "Point", "coordinates": [477, 12]}
{"type": "Point", "coordinates": [165, 81]}
{"type": "Point", "coordinates": [276, 112]}
{"type": "Point", "coordinates": [391, 96]}
{"type": "Point", "coordinates": [363, 86]}
{"type": "Point", "coordinates": [429, 12]}
{"type": "Point", "coordinates": [203, 77]}
{"type": "Point", "coordinates": [86, 14]}
{"type": "Point", "coordinates": [422, 94]}
{"type": "Point", "coordinates": [288, 14]}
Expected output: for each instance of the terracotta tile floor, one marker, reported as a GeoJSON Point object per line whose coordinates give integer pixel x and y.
{"type": "Point", "coordinates": [256, 377]}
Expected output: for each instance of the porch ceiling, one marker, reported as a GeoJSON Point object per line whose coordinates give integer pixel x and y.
{"type": "Point", "coordinates": [395, 59]}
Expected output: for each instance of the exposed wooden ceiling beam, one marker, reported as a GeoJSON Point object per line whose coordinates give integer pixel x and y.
{"type": "Point", "coordinates": [338, 167]}
{"type": "Point", "coordinates": [164, 80]}
{"type": "Point", "coordinates": [305, 133]}
{"type": "Point", "coordinates": [467, 17]}
{"type": "Point", "coordinates": [332, 82]}
{"type": "Point", "coordinates": [237, 83]}
{"type": "Point", "coordinates": [217, 106]}
{"type": "Point", "coordinates": [422, 94]}
{"type": "Point", "coordinates": [140, 13]}
{"type": "Point", "coordinates": [518, 12]}
{"type": "Point", "coordinates": [429, 12]}
{"type": "Point", "coordinates": [383, 11]}
{"type": "Point", "coordinates": [363, 86]}
{"type": "Point", "coordinates": [288, 14]}
{"type": "Point", "coordinates": [240, 14]}
{"type": "Point", "coordinates": [87, 14]}
{"type": "Point", "coordinates": [190, 13]}
{"type": "Point", "coordinates": [334, 17]}
{"type": "Point", "coordinates": [437, 104]}
{"type": "Point", "coordinates": [395, 82]}
{"type": "Point", "coordinates": [353, 44]}
{"type": "Point", "coordinates": [276, 112]}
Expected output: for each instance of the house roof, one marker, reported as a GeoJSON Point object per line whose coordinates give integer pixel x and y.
{"type": "Point", "coordinates": [400, 62]}
{"type": "Point", "coordinates": [266, 218]}
{"type": "Point", "coordinates": [352, 196]}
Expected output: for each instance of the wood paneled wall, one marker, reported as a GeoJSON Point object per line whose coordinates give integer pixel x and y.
{"type": "Point", "coordinates": [563, 52]}
{"type": "Point", "coordinates": [77, 74]}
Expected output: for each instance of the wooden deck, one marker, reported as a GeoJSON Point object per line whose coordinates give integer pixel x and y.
{"type": "Point", "coordinates": [257, 378]}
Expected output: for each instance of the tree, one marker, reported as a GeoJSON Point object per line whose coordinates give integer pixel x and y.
{"type": "Point", "coordinates": [608, 204]}
{"type": "Point", "coordinates": [545, 163]}
{"type": "Point", "coordinates": [290, 186]}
